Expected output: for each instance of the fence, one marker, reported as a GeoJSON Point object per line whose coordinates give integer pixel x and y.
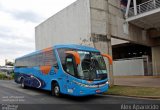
{"type": "Point", "coordinates": [145, 7]}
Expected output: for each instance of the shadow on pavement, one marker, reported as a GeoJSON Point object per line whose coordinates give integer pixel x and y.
{"type": "Point", "coordinates": [68, 97]}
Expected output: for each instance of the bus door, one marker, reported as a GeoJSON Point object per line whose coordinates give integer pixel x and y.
{"type": "Point", "coordinates": [71, 62]}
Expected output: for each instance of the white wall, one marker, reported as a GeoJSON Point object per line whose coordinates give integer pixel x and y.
{"type": "Point", "coordinates": [128, 67]}
{"type": "Point", "coordinates": [71, 25]}
{"type": "Point", "coordinates": [156, 60]}
{"type": "Point", "coordinates": [98, 17]}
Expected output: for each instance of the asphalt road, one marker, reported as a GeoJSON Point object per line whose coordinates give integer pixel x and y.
{"type": "Point", "coordinates": [12, 93]}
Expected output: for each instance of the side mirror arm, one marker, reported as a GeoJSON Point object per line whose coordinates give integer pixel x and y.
{"type": "Point", "coordinates": [109, 58]}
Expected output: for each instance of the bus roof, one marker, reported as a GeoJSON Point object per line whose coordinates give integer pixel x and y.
{"type": "Point", "coordinates": [72, 46]}
{"type": "Point", "coordinates": [78, 47]}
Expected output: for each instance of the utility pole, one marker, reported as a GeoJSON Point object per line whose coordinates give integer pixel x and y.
{"type": "Point", "coordinates": [128, 7]}
{"type": "Point", "coordinates": [135, 7]}
{"type": "Point", "coordinates": [6, 62]}
{"type": "Point", "coordinates": [108, 29]}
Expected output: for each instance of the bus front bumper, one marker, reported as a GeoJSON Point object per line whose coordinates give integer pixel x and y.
{"type": "Point", "coordinates": [84, 91]}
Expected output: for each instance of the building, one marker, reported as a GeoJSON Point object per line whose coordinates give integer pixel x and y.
{"type": "Point", "coordinates": [129, 30]}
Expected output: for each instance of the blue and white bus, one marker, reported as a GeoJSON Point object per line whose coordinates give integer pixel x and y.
{"type": "Point", "coordinates": [64, 69]}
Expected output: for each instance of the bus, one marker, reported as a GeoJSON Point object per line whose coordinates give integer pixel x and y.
{"type": "Point", "coordinates": [64, 69]}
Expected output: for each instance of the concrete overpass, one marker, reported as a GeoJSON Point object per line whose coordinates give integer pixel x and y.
{"type": "Point", "coordinates": [97, 22]}
{"type": "Point", "coordinates": [146, 17]}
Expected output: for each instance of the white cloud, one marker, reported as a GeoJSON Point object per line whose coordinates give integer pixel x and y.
{"type": "Point", "coordinates": [18, 19]}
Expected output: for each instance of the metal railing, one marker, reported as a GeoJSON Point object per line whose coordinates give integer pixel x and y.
{"type": "Point", "coordinates": [144, 7]}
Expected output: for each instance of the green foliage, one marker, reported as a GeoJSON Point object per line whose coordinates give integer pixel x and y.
{"type": "Point", "coordinates": [10, 63]}
{"type": "Point", "coordinates": [12, 75]}
{"type": "Point", "coordinates": [2, 76]}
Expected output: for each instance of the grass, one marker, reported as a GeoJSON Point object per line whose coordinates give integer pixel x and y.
{"type": "Point", "coordinates": [134, 91]}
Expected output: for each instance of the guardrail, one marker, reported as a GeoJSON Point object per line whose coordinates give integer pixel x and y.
{"type": "Point", "coordinates": [144, 7]}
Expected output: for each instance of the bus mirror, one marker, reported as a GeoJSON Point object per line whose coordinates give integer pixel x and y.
{"type": "Point", "coordinates": [76, 56]}
{"type": "Point", "coordinates": [108, 57]}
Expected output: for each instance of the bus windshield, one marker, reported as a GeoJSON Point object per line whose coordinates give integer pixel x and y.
{"type": "Point", "coordinates": [92, 65]}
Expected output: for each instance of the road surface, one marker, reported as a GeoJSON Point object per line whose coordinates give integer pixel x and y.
{"type": "Point", "coordinates": [12, 93]}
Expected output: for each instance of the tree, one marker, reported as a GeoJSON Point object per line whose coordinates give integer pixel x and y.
{"type": "Point", "coordinates": [9, 63]}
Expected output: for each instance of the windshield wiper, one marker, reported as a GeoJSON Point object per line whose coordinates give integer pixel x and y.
{"type": "Point", "coordinates": [83, 77]}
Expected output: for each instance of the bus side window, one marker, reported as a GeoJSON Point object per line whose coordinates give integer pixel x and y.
{"type": "Point", "coordinates": [50, 58]}
{"type": "Point", "coordinates": [70, 66]}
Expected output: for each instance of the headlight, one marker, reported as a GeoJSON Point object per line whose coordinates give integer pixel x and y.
{"type": "Point", "coordinates": [90, 86]}
{"type": "Point", "coordinates": [107, 82]}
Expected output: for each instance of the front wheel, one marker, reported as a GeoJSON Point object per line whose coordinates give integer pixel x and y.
{"type": "Point", "coordinates": [56, 90]}
{"type": "Point", "coordinates": [22, 84]}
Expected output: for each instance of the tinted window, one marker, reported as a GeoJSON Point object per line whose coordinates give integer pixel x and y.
{"type": "Point", "coordinates": [70, 66]}
{"type": "Point", "coordinates": [40, 59]}
{"type": "Point", "coordinates": [62, 55]}
{"type": "Point", "coordinates": [67, 64]}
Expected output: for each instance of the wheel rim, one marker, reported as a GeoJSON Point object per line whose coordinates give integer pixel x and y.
{"type": "Point", "coordinates": [56, 90]}
{"type": "Point", "coordinates": [22, 84]}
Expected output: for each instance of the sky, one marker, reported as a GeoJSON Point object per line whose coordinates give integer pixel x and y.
{"type": "Point", "coordinates": [18, 19]}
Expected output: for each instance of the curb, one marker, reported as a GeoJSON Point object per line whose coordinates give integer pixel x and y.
{"type": "Point", "coordinates": [146, 97]}
{"type": "Point", "coordinates": [137, 77]}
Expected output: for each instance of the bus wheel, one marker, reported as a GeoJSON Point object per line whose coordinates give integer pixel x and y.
{"type": "Point", "coordinates": [22, 84]}
{"type": "Point", "coordinates": [56, 90]}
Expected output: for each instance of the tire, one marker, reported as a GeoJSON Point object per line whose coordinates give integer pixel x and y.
{"type": "Point", "coordinates": [22, 84]}
{"type": "Point", "coordinates": [55, 90]}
